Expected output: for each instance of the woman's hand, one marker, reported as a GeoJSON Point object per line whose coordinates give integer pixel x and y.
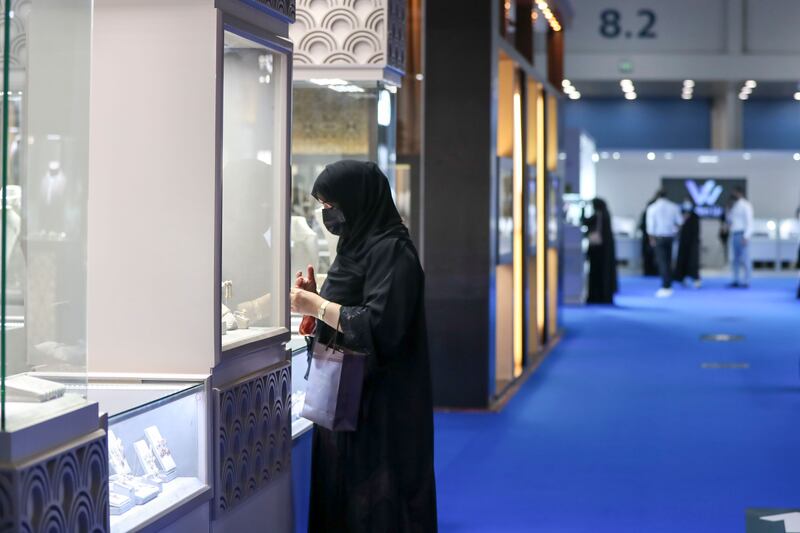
{"type": "Point", "coordinates": [304, 302]}
{"type": "Point", "coordinates": [308, 283]}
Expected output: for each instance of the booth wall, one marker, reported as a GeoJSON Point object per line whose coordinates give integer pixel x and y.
{"type": "Point", "coordinates": [643, 124]}
{"type": "Point", "coordinates": [773, 180]}
{"type": "Point", "coordinates": [771, 125]}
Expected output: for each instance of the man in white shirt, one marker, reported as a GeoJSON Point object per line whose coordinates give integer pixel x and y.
{"type": "Point", "coordinates": [663, 219]}
{"type": "Point", "coordinates": [740, 221]}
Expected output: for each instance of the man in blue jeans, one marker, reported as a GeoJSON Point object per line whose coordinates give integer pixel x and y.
{"type": "Point", "coordinates": [740, 221]}
{"type": "Point", "coordinates": [663, 219]}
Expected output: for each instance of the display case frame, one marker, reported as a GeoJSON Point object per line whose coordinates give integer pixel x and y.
{"type": "Point", "coordinates": [277, 335]}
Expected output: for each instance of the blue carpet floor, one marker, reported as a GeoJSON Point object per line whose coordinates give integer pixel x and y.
{"type": "Point", "coordinates": [622, 429]}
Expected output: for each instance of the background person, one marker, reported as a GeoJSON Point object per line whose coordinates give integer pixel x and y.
{"type": "Point", "coordinates": [379, 477]}
{"type": "Point", "coordinates": [663, 220]}
{"type": "Point", "coordinates": [602, 255]}
{"type": "Point", "coordinates": [725, 231]}
{"type": "Point", "coordinates": [688, 262]}
{"type": "Point", "coordinates": [649, 267]}
{"type": "Point", "coordinates": [740, 220]}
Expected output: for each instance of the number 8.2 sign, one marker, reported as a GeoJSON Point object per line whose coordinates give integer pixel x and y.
{"type": "Point", "coordinates": [646, 26]}
{"type": "Point", "coordinates": [611, 24]}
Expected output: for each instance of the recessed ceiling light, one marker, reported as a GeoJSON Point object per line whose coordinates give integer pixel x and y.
{"type": "Point", "coordinates": [708, 159]}
{"type": "Point", "coordinates": [746, 156]}
{"type": "Point", "coordinates": [651, 156]}
{"type": "Point", "coordinates": [743, 96]}
{"type": "Point", "coordinates": [797, 95]}
{"type": "Point", "coordinates": [616, 155]}
{"type": "Point", "coordinates": [668, 155]}
{"type": "Point", "coordinates": [604, 155]}
{"type": "Point", "coordinates": [688, 83]}
{"type": "Point", "coordinates": [630, 96]}
{"type": "Point", "coordinates": [796, 156]}
{"type": "Point", "coordinates": [751, 84]}
{"type": "Point", "coordinates": [595, 157]}
{"type": "Point", "coordinates": [575, 95]}
{"type": "Point", "coordinates": [566, 83]}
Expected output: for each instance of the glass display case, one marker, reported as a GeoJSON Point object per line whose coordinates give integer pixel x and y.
{"type": "Point", "coordinates": [45, 136]}
{"type": "Point", "coordinates": [253, 191]}
{"type": "Point", "coordinates": [158, 454]}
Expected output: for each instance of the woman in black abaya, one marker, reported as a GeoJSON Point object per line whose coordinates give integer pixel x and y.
{"type": "Point", "coordinates": [688, 262]}
{"type": "Point", "coordinates": [378, 478]}
{"type": "Point", "coordinates": [602, 255]}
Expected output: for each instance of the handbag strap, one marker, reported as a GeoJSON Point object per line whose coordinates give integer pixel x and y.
{"type": "Point", "coordinates": [336, 332]}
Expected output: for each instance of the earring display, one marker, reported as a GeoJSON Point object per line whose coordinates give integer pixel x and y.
{"type": "Point", "coordinates": [139, 491]}
{"type": "Point", "coordinates": [119, 503]}
{"type": "Point", "coordinates": [161, 452]}
{"type": "Point", "coordinates": [116, 455]}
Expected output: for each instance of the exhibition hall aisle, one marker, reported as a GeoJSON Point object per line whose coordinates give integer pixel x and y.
{"type": "Point", "coordinates": [636, 424]}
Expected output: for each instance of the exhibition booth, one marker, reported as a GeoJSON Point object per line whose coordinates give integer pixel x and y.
{"type": "Point", "coordinates": [628, 180]}
{"type": "Point", "coordinates": [151, 224]}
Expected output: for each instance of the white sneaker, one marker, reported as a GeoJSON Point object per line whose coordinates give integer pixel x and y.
{"type": "Point", "coordinates": [663, 293]}
{"type": "Point", "coordinates": [698, 284]}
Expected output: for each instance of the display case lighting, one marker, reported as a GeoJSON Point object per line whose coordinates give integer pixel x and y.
{"type": "Point", "coordinates": [328, 81]}
{"type": "Point", "coordinates": [346, 88]}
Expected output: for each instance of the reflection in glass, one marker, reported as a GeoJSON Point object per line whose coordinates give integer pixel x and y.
{"type": "Point", "coordinates": [252, 178]}
{"type": "Point", "coordinates": [45, 106]}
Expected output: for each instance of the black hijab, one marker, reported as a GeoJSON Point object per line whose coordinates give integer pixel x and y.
{"type": "Point", "coordinates": [362, 192]}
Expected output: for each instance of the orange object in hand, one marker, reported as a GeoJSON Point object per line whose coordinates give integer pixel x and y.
{"type": "Point", "coordinates": [309, 283]}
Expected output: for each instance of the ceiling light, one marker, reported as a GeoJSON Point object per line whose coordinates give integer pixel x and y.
{"type": "Point", "coordinates": [686, 96]}
{"type": "Point", "coordinates": [651, 156]}
{"type": "Point", "coordinates": [668, 155]}
{"type": "Point", "coordinates": [604, 155]}
{"type": "Point", "coordinates": [566, 83]}
{"type": "Point", "coordinates": [796, 156]}
{"type": "Point", "coordinates": [595, 157]}
{"type": "Point", "coordinates": [797, 95]}
{"type": "Point", "coordinates": [630, 96]}
{"type": "Point", "coordinates": [575, 96]}
{"type": "Point", "coordinates": [743, 96]}
{"type": "Point", "coordinates": [708, 159]}
{"type": "Point", "coordinates": [688, 83]}
{"type": "Point", "coordinates": [615, 155]}
{"type": "Point", "coordinates": [746, 156]}
{"type": "Point", "coordinates": [747, 90]}
{"type": "Point", "coordinates": [750, 84]}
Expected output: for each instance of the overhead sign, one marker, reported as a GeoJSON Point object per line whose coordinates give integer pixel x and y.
{"type": "Point", "coordinates": [647, 26]}
{"type": "Point", "coordinates": [708, 195]}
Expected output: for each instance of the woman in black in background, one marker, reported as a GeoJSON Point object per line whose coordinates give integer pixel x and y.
{"type": "Point", "coordinates": [602, 255]}
{"type": "Point", "coordinates": [688, 262]}
{"type": "Point", "coordinates": [649, 267]}
{"type": "Point", "coordinates": [378, 478]}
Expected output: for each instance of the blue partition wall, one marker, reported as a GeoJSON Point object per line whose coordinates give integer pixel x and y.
{"type": "Point", "coordinates": [771, 125]}
{"type": "Point", "coordinates": [657, 124]}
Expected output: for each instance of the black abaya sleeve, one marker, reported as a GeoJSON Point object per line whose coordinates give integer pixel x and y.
{"type": "Point", "coordinates": [392, 287]}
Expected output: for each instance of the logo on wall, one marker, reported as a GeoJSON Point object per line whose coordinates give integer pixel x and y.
{"type": "Point", "coordinates": [708, 195]}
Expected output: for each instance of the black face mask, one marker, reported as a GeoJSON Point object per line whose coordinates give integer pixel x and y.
{"type": "Point", "coordinates": [334, 220]}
